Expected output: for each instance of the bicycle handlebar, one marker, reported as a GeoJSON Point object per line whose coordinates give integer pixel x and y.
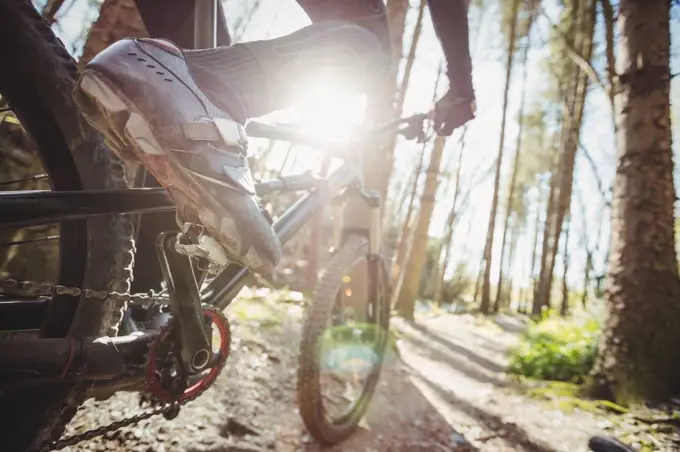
{"type": "Point", "coordinates": [411, 127]}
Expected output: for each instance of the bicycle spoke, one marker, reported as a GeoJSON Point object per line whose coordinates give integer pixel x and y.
{"type": "Point", "coordinates": [23, 242]}
{"type": "Point", "coordinates": [25, 179]}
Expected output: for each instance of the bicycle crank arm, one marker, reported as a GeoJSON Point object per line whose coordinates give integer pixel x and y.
{"type": "Point", "coordinates": [185, 304]}
{"type": "Point", "coordinates": [27, 362]}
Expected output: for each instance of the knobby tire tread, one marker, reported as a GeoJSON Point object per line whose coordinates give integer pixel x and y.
{"type": "Point", "coordinates": [30, 417]}
{"type": "Point", "coordinates": [319, 311]}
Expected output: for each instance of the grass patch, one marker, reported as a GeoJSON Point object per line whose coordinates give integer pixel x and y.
{"type": "Point", "coordinates": [569, 397]}
{"type": "Point", "coordinates": [557, 349]}
{"type": "Point", "coordinates": [258, 312]}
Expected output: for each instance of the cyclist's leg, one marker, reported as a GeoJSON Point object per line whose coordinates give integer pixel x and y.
{"type": "Point", "coordinates": [174, 20]}
{"type": "Point", "coordinates": [268, 75]}
{"type": "Point", "coordinates": [148, 95]}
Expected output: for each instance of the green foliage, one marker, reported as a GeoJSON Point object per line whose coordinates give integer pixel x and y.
{"type": "Point", "coordinates": [557, 349]}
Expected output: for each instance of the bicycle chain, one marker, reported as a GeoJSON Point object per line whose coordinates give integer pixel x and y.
{"type": "Point", "coordinates": [104, 429]}
{"type": "Point", "coordinates": [14, 287]}
{"type": "Point", "coordinates": [126, 422]}
{"type": "Point", "coordinates": [117, 425]}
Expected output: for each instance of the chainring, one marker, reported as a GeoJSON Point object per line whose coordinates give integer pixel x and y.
{"type": "Point", "coordinates": [164, 388]}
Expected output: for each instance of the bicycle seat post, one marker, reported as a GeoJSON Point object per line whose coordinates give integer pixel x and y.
{"type": "Point", "coordinates": [205, 24]}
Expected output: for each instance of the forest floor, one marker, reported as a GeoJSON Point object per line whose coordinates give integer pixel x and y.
{"type": "Point", "coordinates": [443, 388]}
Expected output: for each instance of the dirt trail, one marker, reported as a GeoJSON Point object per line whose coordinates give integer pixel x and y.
{"type": "Point", "coordinates": [444, 391]}
{"type": "Point", "coordinates": [252, 406]}
{"type": "Point", "coordinates": [459, 365]}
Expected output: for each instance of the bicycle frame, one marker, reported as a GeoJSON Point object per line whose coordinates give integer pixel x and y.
{"type": "Point", "coordinates": [28, 208]}
{"type": "Point", "coordinates": [107, 359]}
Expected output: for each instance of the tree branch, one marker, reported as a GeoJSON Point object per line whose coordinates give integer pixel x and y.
{"type": "Point", "coordinates": [50, 10]}
{"type": "Point", "coordinates": [576, 58]}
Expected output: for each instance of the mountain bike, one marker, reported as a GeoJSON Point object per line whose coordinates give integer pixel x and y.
{"type": "Point", "coordinates": [84, 334]}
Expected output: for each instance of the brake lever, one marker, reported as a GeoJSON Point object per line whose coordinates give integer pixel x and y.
{"type": "Point", "coordinates": [415, 128]}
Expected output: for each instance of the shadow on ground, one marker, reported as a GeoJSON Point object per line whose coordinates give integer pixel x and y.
{"type": "Point", "coordinates": [510, 432]}
{"type": "Point", "coordinates": [450, 345]}
{"type": "Point", "coordinates": [511, 324]}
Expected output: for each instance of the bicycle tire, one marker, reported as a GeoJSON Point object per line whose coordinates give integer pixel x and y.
{"type": "Point", "coordinates": [321, 307]}
{"type": "Point", "coordinates": [37, 79]}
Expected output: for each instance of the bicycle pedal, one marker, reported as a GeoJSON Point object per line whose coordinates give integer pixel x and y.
{"type": "Point", "coordinates": [194, 242]}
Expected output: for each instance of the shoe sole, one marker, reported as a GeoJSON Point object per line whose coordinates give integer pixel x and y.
{"type": "Point", "coordinates": [130, 137]}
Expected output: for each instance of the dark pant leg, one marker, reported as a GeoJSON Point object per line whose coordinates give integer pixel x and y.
{"type": "Point", "coordinates": [370, 14]}
{"type": "Point", "coordinates": [174, 20]}
{"type": "Point", "coordinates": [255, 78]}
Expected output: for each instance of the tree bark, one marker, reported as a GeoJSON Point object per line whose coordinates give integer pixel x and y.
{"type": "Point", "coordinates": [513, 179]}
{"type": "Point", "coordinates": [534, 250]}
{"type": "Point", "coordinates": [410, 287]}
{"type": "Point", "coordinates": [488, 245]}
{"type": "Point", "coordinates": [584, 15]}
{"type": "Point", "coordinates": [50, 10]}
{"type": "Point", "coordinates": [639, 357]}
{"type": "Point", "coordinates": [539, 302]}
{"type": "Point", "coordinates": [405, 235]}
{"type": "Point", "coordinates": [379, 158]}
{"type": "Point", "coordinates": [515, 232]}
{"type": "Point", "coordinates": [564, 308]}
{"type": "Point", "coordinates": [117, 19]}
{"type": "Point", "coordinates": [382, 107]}
{"type": "Point", "coordinates": [450, 223]}
{"type": "Point", "coordinates": [410, 58]}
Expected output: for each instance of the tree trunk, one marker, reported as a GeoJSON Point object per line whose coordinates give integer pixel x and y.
{"type": "Point", "coordinates": [513, 179]}
{"type": "Point", "coordinates": [410, 59]}
{"type": "Point", "coordinates": [515, 233]}
{"type": "Point", "coordinates": [478, 281]}
{"type": "Point", "coordinates": [382, 106]}
{"type": "Point", "coordinates": [608, 15]}
{"type": "Point", "coordinates": [450, 223]}
{"type": "Point", "coordinates": [564, 308]}
{"type": "Point", "coordinates": [405, 235]}
{"type": "Point", "coordinates": [584, 14]}
{"type": "Point", "coordinates": [586, 278]}
{"type": "Point", "coordinates": [500, 297]}
{"type": "Point", "coordinates": [589, 264]}
{"type": "Point", "coordinates": [488, 245]}
{"type": "Point", "coordinates": [391, 141]}
{"type": "Point", "coordinates": [537, 232]}
{"type": "Point", "coordinates": [378, 159]}
{"type": "Point", "coordinates": [639, 357]}
{"type": "Point", "coordinates": [416, 258]}
{"type": "Point", "coordinates": [50, 10]}
{"type": "Point", "coordinates": [117, 19]}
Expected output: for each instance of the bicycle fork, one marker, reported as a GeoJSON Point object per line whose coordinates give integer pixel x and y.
{"type": "Point", "coordinates": [369, 225]}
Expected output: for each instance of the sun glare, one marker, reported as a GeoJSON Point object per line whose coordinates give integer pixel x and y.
{"type": "Point", "coordinates": [330, 111]}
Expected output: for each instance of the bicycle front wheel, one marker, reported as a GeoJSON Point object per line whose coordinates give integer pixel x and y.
{"type": "Point", "coordinates": [343, 342]}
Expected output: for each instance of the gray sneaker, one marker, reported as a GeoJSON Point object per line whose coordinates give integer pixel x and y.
{"type": "Point", "coordinates": [140, 95]}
